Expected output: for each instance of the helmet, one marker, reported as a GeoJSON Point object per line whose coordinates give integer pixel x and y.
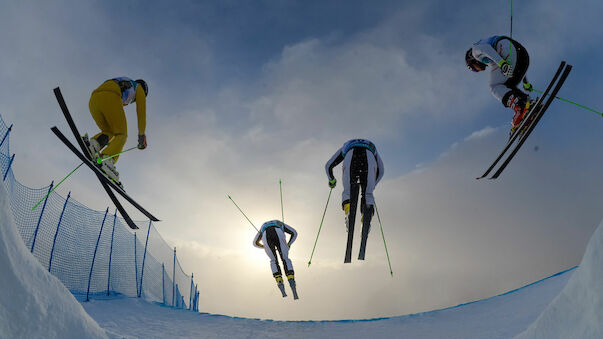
{"type": "Point", "coordinates": [144, 86]}
{"type": "Point", "coordinates": [472, 62]}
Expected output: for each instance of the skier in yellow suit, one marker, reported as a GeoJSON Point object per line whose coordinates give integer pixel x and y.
{"type": "Point", "coordinates": [106, 106]}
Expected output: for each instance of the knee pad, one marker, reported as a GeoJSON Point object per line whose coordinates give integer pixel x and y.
{"type": "Point", "coordinates": [511, 95]}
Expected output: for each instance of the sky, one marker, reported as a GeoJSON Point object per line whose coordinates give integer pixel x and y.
{"type": "Point", "coordinates": [244, 94]}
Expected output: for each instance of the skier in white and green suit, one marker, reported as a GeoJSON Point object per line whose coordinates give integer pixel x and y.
{"type": "Point", "coordinates": [362, 169]}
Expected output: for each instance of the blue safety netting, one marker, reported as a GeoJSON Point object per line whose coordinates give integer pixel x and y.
{"type": "Point", "coordinates": [94, 253]}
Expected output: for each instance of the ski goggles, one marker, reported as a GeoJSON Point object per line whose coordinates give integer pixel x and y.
{"type": "Point", "coordinates": [475, 67]}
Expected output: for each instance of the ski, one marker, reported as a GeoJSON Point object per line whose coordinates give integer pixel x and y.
{"type": "Point", "coordinates": [533, 110]}
{"type": "Point", "coordinates": [293, 289]}
{"type": "Point", "coordinates": [537, 118]}
{"type": "Point", "coordinates": [100, 174]}
{"type": "Point", "coordinates": [281, 287]}
{"type": "Point", "coordinates": [348, 249]}
{"type": "Point", "coordinates": [366, 226]}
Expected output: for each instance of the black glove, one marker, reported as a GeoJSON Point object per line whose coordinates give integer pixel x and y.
{"type": "Point", "coordinates": [142, 141]}
{"type": "Point", "coordinates": [506, 68]}
{"type": "Point", "coordinates": [332, 183]}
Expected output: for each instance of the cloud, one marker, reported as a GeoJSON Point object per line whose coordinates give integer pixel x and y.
{"type": "Point", "coordinates": [481, 133]}
{"type": "Point", "coordinates": [355, 86]}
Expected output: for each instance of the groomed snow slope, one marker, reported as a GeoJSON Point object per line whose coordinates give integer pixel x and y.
{"type": "Point", "coordinates": [577, 312]}
{"type": "Point", "coordinates": [499, 317]}
{"type": "Point", "coordinates": [33, 303]}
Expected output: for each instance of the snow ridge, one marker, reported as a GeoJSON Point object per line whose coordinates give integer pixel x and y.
{"type": "Point", "coordinates": [577, 312]}
{"type": "Point", "coordinates": [34, 303]}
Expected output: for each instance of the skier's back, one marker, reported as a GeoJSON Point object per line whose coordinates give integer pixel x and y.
{"type": "Point", "coordinates": [362, 170]}
{"type": "Point", "coordinates": [271, 238]}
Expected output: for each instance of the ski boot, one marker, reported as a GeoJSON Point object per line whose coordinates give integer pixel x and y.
{"type": "Point", "coordinates": [292, 284]}
{"type": "Point", "coordinates": [520, 107]}
{"type": "Point", "coordinates": [93, 146]}
{"type": "Point", "coordinates": [372, 212]}
{"type": "Point", "coordinates": [527, 114]}
{"type": "Point", "coordinates": [346, 210]}
{"type": "Point", "coordinates": [279, 283]}
{"type": "Point", "coordinates": [531, 115]}
{"type": "Point", "coordinates": [108, 167]}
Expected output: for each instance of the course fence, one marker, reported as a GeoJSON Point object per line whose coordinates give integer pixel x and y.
{"type": "Point", "coordinates": [94, 253]}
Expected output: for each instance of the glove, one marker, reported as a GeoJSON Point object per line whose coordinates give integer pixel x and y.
{"type": "Point", "coordinates": [142, 141]}
{"type": "Point", "coordinates": [528, 86]}
{"type": "Point", "coordinates": [505, 68]}
{"type": "Point", "coordinates": [332, 183]}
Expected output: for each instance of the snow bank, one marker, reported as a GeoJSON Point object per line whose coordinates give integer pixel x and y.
{"type": "Point", "coordinates": [502, 316]}
{"type": "Point", "coordinates": [577, 312]}
{"type": "Point", "coordinates": [33, 303]}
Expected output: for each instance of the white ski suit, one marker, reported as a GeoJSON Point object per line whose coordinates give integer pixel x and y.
{"type": "Point", "coordinates": [361, 165]}
{"type": "Point", "coordinates": [491, 51]}
{"type": "Point", "coordinates": [272, 237]}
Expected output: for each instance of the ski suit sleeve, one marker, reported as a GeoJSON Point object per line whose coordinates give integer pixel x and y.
{"type": "Point", "coordinates": [292, 232]}
{"type": "Point", "coordinates": [380, 168]}
{"type": "Point", "coordinates": [141, 110]}
{"type": "Point", "coordinates": [485, 53]}
{"type": "Point", "coordinates": [335, 160]}
{"type": "Point", "coordinates": [257, 239]}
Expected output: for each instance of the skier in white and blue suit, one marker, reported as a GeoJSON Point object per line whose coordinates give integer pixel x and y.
{"type": "Point", "coordinates": [362, 169]}
{"type": "Point", "coordinates": [509, 62]}
{"type": "Point", "coordinates": [272, 239]}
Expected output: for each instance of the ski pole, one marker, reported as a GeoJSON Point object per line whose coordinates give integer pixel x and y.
{"type": "Point", "coordinates": [281, 188]}
{"type": "Point", "coordinates": [319, 228]}
{"type": "Point", "coordinates": [571, 102]}
{"type": "Point", "coordinates": [383, 235]}
{"type": "Point", "coordinates": [511, 35]}
{"type": "Point", "coordinates": [54, 188]}
{"type": "Point", "coordinates": [243, 213]}
{"type": "Point", "coordinates": [100, 160]}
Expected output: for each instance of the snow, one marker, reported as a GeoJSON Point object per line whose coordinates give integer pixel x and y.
{"type": "Point", "coordinates": [577, 312]}
{"type": "Point", "coordinates": [502, 316]}
{"type": "Point", "coordinates": [33, 303]}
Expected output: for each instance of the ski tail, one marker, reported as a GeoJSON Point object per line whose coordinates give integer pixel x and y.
{"type": "Point", "coordinates": [348, 249]}
{"type": "Point", "coordinates": [293, 288]}
{"type": "Point", "coordinates": [366, 225]}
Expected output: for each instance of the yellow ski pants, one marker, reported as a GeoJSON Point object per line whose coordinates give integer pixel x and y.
{"type": "Point", "coordinates": [108, 112]}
